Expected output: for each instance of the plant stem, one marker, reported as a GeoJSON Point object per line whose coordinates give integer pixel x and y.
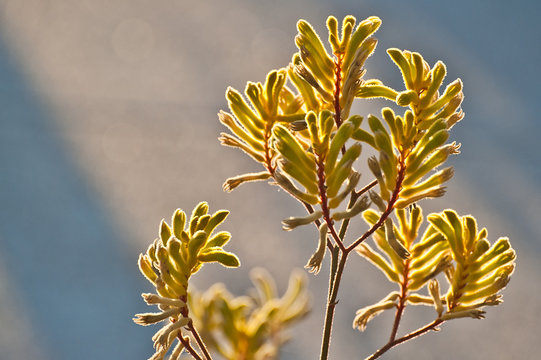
{"type": "Point", "coordinates": [388, 210]}
{"type": "Point", "coordinates": [402, 302]}
{"type": "Point", "coordinates": [412, 335]}
{"type": "Point", "coordinates": [354, 196]}
{"type": "Point", "coordinates": [367, 187]}
{"type": "Point", "coordinates": [320, 165]}
{"type": "Point", "coordinates": [337, 86]}
{"type": "Point", "coordinates": [331, 304]}
{"type": "Point", "coordinates": [344, 252]}
{"type": "Point", "coordinates": [199, 341]}
{"type": "Point", "coordinates": [310, 210]}
{"type": "Point", "coordinates": [335, 279]}
{"type": "Point", "coordinates": [335, 253]}
{"type": "Point", "coordinates": [189, 347]}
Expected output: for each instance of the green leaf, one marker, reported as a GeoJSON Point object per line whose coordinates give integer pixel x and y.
{"type": "Point", "coordinates": [264, 284]}
{"type": "Point", "coordinates": [309, 39]}
{"type": "Point", "coordinates": [376, 259]}
{"type": "Point", "coordinates": [304, 177]}
{"type": "Point", "coordinates": [175, 247]}
{"type": "Point", "coordinates": [245, 115]}
{"type": "Point", "coordinates": [256, 144]}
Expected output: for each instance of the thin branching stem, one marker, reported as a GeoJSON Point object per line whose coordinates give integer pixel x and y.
{"type": "Point", "coordinates": [331, 304]}
{"type": "Point", "coordinates": [199, 341]}
{"type": "Point", "coordinates": [335, 253]}
{"type": "Point", "coordinates": [432, 326]}
{"type": "Point", "coordinates": [345, 223]}
{"type": "Point", "coordinates": [401, 303]}
{"type": "Point", "coordinates": [189, 347]}
{"type": "Point", "coordinates": [353, 198]}
{"type": "Point", "coordinates": [366, 188]}
{"type": "Point", "coordinates": [388, 210]}
{"type": "Point", "coordinates": [335, 276]}
{"type": "Point", "coordinates": [310, 210]}
{"type": "Point", "coordinates": [324, 202]}
{"type": "Point", "coordinates": [337, 86]}
{"type": "Point", "coordinates": [344, 253]}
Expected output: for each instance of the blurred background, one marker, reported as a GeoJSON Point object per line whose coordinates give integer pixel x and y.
{"type": "Point", "coordinates": [108, 124]}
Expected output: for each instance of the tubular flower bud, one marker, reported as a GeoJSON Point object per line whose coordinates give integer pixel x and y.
{"type": "Point", "coordinates": [314, 264]}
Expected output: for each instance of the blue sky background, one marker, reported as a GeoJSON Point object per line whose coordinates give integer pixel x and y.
{"type": "Point", "coordinates": [108, 123]}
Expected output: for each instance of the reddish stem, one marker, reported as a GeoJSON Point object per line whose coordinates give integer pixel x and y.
{"type": "Point", "coordinates": [324, 202]}
{"type": "Point", "coordinates": [189, 347]}
{"type": "Point", "coordinates": [390, 205]}
{"type": "Point", "coordinates": [199, 341]}
{"type": "Point", "coordinates": [402, 302]}
{"type": "Point", "coordinates": [337, 86]}
{"type": "Point", "coordinates": [419, 332]}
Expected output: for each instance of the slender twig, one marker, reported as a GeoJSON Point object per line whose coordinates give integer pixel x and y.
{"type": "Point", "coordinates": [331, 305]}
{"type": "Point", "coordinates": [345, 223]}
{"type": "Point", "coordinates": [320, 164]}
{"type": "Point", "coordinates": [366, 188]}
{"type": "Point", "coordinates": [199, 341]}
{"type": "Point", "coordinates": [432, 326]}
{"type": "Point", "coordinates": [337, 86]}
{"type": "Point", "coordinates": [401, 303]}
{"type": "Point", "coordinates": [353, 198]}
{"type": "Point", "coordinates": [335, 253]}
{"type": "Point", "coordinates": [335, 278]}
{"type": "Point", "coordinates": [344, 252]}
{"type": "Point", "coordinates": [388, 210]}
{"type": "Point", "coordinates": [189, 347]}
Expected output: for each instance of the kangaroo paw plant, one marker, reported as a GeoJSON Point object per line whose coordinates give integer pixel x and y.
{"type": "Point", "coordinates": [169, 262]}
{"type": "Point", "coordinates": [252, 326]}
{"type": "Point", "coordinates": [298, 126]}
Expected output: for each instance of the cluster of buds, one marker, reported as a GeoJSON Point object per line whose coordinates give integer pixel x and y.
{"type": "Point", "coordinates": [415, 142]}
{"type": "Point", "coordinates": [251, 327]}
{"type": "Point", "coordinates": [480, 270]}
{"type": "Point", "coordinates": [475, 270]}
{"type": "Point", "coordinates": [274, 107]}
{"type": "Point", "coordinates": [168, 264]}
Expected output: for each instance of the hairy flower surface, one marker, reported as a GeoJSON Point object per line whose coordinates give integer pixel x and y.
{"type": "Point", "coordinates": [171, 260]}
{"type": "Point", "coordinates": [297, 126]}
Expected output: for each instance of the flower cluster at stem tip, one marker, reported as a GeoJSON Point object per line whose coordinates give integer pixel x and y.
{"type": "Point", "coordinates": [297, 126]}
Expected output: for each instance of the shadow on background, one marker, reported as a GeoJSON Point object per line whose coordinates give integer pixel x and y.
{"type": "Point", "coordinates": [68, 276]}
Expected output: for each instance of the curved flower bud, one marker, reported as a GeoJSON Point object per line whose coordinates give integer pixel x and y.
{"type": "Point", "coordinates": [314, 264]}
